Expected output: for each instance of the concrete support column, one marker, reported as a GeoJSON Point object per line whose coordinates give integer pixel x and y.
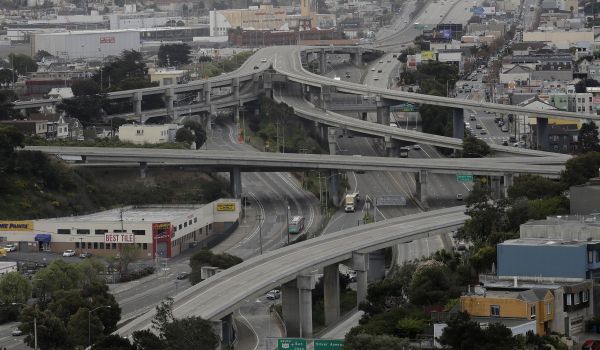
{"type": "Point", "coordinates": [207, 88]}
{"type": "Point", "coordinates": [357, 57]}
{"type": "Point", "coordinates": [305, 283]}
{"type": "Point", "coordinates": [333, 187]}
{"type": "Point", "coordinates": [496, 186]}
{"type": "Point", "coordinates": [458, 118]}
{"type": "Point", "coordinates": [227, 332]}
{"type": "Point", "coordinates": [383, 111]}
{"type": "Point", "coordinates": [323, 61]}
{"type": "Point", "coordinates": [391, 147]}
{"type": "Point", "coordinates": [235, 85]}
{"type": "Point", "coordinates": [235, 181]}
{"type": "Point", "coordinates": [143, 169]}
{"type": "Point", "coordinates": [363, 115]}
{"type": "Point", "coordinates": [170, 101]}
{"type": "Point", "coordinates": [508, 181]}
{"type": "Point", "coordinates": [542, 133]}
{"type": "Point", "coordinates": [376, 266]}
{"type": "Point", "coordinates": [421, 183]}
{"type": "Point", "coordinates": [331, 289]}
{"type": "Point", "coordinates": [290, 308]}
{"type": "Point", "coordinates": [217, 327]}
{"type": "Point", "coordinates": [137, 105]}
{"type": "Point", "coordinates": [331, 140]}
{"type": "Point", "coordinates": [360, 264]}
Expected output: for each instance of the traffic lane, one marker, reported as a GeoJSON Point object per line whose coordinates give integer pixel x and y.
{"type": "Point", "coordinates": [257, 313]}
{"type": "Point", "coordinates": [7, 340]}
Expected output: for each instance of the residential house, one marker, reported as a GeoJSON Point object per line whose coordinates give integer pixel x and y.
{"type": "Point", "coordinates": [529, 305]}
{"type": "Point", "coordinates": [517, 75]}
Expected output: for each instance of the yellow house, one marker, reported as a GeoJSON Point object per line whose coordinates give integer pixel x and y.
{"type": "Point", "coordinates": [533, 304]}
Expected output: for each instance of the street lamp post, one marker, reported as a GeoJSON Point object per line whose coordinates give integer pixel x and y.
{"type": "Point", "coordinates": [260, 220]}
{"type": "Point", "coordinates": [35, 338]}
{"type": "Point", "coordinates": [287, 223]}
{"type": "Point", "coordinates": [90, 323]}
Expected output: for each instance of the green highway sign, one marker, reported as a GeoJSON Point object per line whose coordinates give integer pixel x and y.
{"type": "Point", "coordinates": [291, 344]}
{"type": "Point", "coordinates": [328, 344]}
{"type": "Point", "coordinates": [464, 178]}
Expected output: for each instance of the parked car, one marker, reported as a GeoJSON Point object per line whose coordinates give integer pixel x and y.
{"type": "Point", "coordinates": [16, 332]}
{"type": "Point", "coordinates": [274, 294]}
{"type": "Point", "coordinates": [591, 345]}
{"type": "Point", "coordinates": [11, 247]}
{"type": "Point", "coordinates": [69, 252]}
{"type": "Point", "coordinates": [183, 275]}
{"type": "Point", "coordinates": [85, 255]}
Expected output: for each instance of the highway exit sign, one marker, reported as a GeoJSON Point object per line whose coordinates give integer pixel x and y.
{"type": "Point", "coordinates": [328, 344]}
{"type": "Point", "coordinates": [291, 344]}
{"type": "Point", "coordinates": [464, 178]}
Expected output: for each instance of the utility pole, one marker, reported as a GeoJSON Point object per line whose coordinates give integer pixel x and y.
{"type": "Point", "coordinates": [260, 220]}
{"type": "Point", "coordinates": [287, 222]}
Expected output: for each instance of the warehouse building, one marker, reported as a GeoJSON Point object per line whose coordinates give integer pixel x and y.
{"type": "Point", "coordinates": [87, 43]}
{"type": "Point", "coordinates": [157, 230]}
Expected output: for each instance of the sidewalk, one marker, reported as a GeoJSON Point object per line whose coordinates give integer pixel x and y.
{"type": "Point", "coordinates": [246, 227]}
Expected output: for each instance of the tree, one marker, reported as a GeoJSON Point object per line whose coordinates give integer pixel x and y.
{"type": "Point", "coordinates": [22, 63]}
{"type": "Point", "coordinates": [6, 105]}
{"type": "Point", "coordinates": [199, 132]}
{"type": "Point", "coordinates": [51, 331]}
{"type": "Point", "coordinates": [410, 327]}
{"type": "Point", "coordinates": [464, 334]}
{"type": "Point", "coordinates": [85, 87]}
{"type": "Point", "coordinates": [78, 328]}
{"type": "Point", "coordinates": [114, 342]}
{"type": "Point", "coordinates": [88, 109]}
{"type": "Point", "coordinates": [190, 333]}
{"type": "Point", "coordinates": [584, 83]}
{"type": "Point", "coordinates": [59, 275]}
{"type": "Point", "coordinates": [129, 64]}
{"type": "Point", "coordinates": [184, 135]}
{"type": "Point", "coordinates": [6, 76]}
{"type": "Point", "coordinates": [534, 187]}
{"type": "Point", "coordinates": [580, 169]}
{"type": "Point", "coordinates": [41, 54]}
{"type": "Point", "coordinates": [205, 257]}
{"type": "Point", "coordinates": [588, 137]}
{"type": "Point", "coordinates": [146, 340]}
{"type": "Point", "coordinates": [431, 285]}
{"type": "Point", "coordinates": [174, 54]}
{"type": "Point", "coordinates": [164, 315]}
{"type": "Point", "coordinates": [487, 216]}
{"type": "Point", "coordinates": [129, 253]}
{"type": "Point", "coordinates": [375, 342]}
{"type": "Point", "coordinates": [10, 139]}
{"type": "Point", "coordinates": [474, 147]}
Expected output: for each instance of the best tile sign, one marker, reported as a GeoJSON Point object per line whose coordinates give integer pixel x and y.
{"type": "Point", "coordinates": [126, 238]}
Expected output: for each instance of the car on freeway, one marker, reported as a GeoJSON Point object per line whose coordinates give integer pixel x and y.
{"type": "Point", "coordinates": [389, 61]}
{"type": "Point", "coordinates": [274, 294]}
{"type": "Point", "coordinates": [183, 275]}
{"type": "Point", "coordinates": [459, 196]}
{"type": "Point", "coordinates": [483, 132]}
{"type": "Point", "coordinates": [372, 69]}
{"type": "Point", "coordinates": [255, 67]}
{"type": "Point", "coordinates": [379, 71]}
{"type": "Point", "coordinates": [263, 60]}
{"type": "Point", "coordinates": [504, 128]}
{"type": "Point", "coordinates": [478, 126]}
{"type": "Point", "coordinates": [85, 255]}
{"type": "Point", "coordinates": [11, 247]}
{"type": "Point", "coordinates": [416, 146]}
{"type": "Point", "coordinates": [512, 139]}
{"type": "Point", "coordinates": [472, 117]}
{"type": "Point", "coordinates": [505, 142]}
{"type": "Point", "coordinates": [16, 332]}
{"type": "Point", "coordinates": [69, 252]}
{"type": "Point", "coordinates": [375, 78]}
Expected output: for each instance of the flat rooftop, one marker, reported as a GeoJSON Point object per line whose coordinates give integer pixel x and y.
{"type": "Point", "coordinates": [545, 242]}
{"type": "Point", "coordinates": [151, 213]}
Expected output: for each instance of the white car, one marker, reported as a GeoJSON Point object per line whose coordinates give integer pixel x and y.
{"type": "Point", "coordinates": [11, 247]}
{"type": "Point", "coordinates": [263, 60]}
{"type": "Point", "coordinates": [69, 252]}
{"type": "Point", "coordinates": [273, 294]}
{"type": "Point", "coordinates": [416, 146]}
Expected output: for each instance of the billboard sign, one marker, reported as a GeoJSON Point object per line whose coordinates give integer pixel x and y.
{"type": "Point", "coordinates": [464, 178]}
{"type": "Point", "coordinates": [9, 225]}
{"type": "Point", "coordinates": [426, 55]}
{"type": "Point", "coordinates": [107, 40]}
{"type": "Point", "coordinates": [291, 344]}
{"type": "Point", "coordinates": [225, 206]}
{"type": "Point", "coordinates": [125, 238]}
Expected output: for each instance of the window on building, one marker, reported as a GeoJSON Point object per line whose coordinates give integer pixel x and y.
{"type": "Point", "coordinates": [210, 227]}
{"type": "Point", "coordinates": [586, 296]}
{"type": "Point", "coordinates": [138, 232]}
{"type": "Point", "coordinates": [89, 245]}
{"type": "Point", "coordinates": [174, 228]}
{"type": "Point", "coordinates": [145, 246]}
{"type": "Point", "coordinates": [113, 246]}
{"type": "Point", "coordinates": [180, 226]}
{"type": "Point", "coordinates": [101, 245]}
{"type": "Point", "coordinates": [577, 300]}
{"type": "Point", "coordinates": [185, 224]}
{"type": "Point", "coordinates": [569, 299]}
{"type": "Point", "coordinates": [83, 232]}
{"type": "Point", "coordinates": [495, 310]}
{"type": "Point", "coordinates": [548, 308]}
{"type": "Point", "coordinates": [195, 220]}
{"type": "Point", "coordinates": [190, 222]}
{"type": "Point", "coordinates": [95, 245]}
{"type": "Point", "coordinates": [119, 231]}
{"type": "Point", "coordinates": [532, 311]}
{"type": "Point", "coordinates": [76, 245]}
{"type": "Point", "coordinates": [100, 232]}
{"type": "Point", "coordinates": [63, 231]}
{"type": "Point", "coordinates": [107, 246]}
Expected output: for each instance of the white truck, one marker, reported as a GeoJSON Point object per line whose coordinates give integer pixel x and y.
{"type": "Point", "coordinates": [350, 202]}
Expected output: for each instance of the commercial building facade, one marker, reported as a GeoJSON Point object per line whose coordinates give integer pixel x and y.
{"type": "Point", "coordinates": [148, 133]}
{"type": "Point", "coordinates": [158, 231]}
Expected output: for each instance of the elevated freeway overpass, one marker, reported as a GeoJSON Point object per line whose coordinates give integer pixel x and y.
{"type": "Point", "coordinates": [217, 297]}
{"type": "Point", "coordinates": [501, 170]}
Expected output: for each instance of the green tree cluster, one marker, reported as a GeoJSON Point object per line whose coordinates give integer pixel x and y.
{"type": "Point", "coordinates": [128, 71]}
{"type": "Point", "coordinates": [22, 64]}
{"type": "Point", "coordinates": [14, 289]}
{"type": "Point", "coordinates": [588, 138]}
{"type": "Point", "coordinates": [174, 54]}
{"type": "Point", "coordinates": [65, 294]}
{"type": "Point", "coordinates": [464, 334]}
{"type": "Point", "coordinates": [206, 257]}
{"type": "Point", "coordinates": [474, 147]}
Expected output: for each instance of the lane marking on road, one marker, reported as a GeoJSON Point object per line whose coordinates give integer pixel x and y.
{"type": "Point", "coordinates": [251, 328]}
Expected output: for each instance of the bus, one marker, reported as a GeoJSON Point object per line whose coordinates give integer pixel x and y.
{"type": "Point", "coordinates": [296, 225]}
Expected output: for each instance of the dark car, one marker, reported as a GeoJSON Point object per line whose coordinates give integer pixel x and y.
{"type": "Point", "coordinates": [183, 275]}
{"type": "Point", "coordinates": [255, 67]}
